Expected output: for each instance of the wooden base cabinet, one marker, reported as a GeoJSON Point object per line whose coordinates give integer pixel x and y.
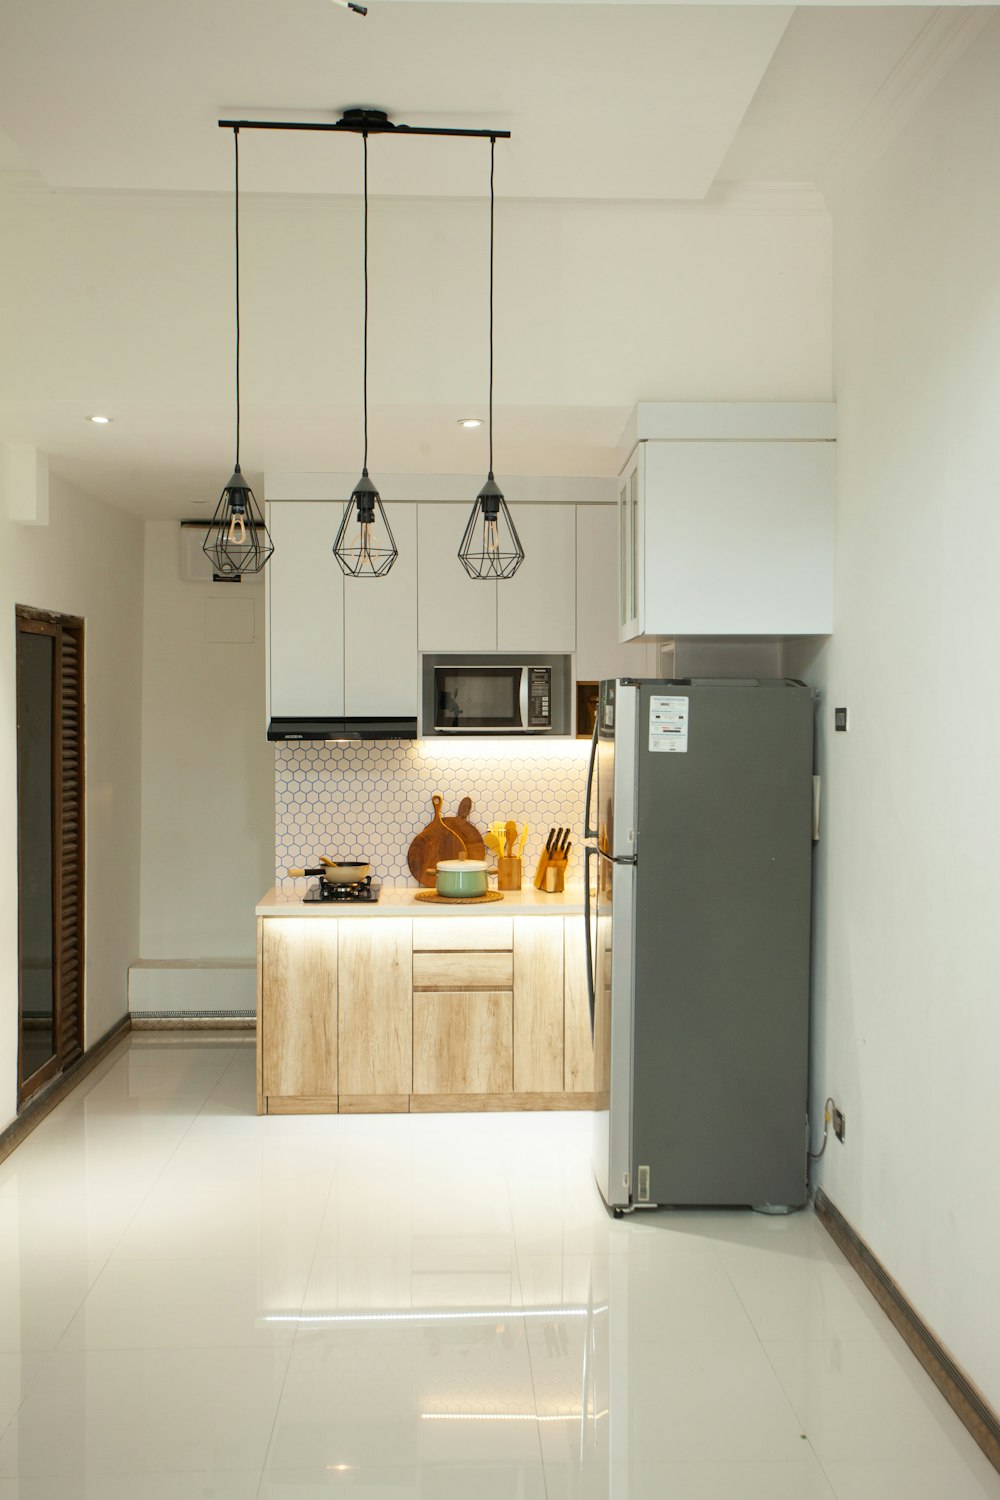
{"type": "Point", "coordinates": [390, 1014]}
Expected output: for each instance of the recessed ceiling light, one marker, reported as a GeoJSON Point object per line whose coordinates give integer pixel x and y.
{"type": "Point", "coordinates": [470, 421]}
{"type": "Point", "coordinates": [101, 421]}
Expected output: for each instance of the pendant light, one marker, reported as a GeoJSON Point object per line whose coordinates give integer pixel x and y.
{"type": "Point", "coordinates": [491, 547]}
{"type": "Point", "coordinates": [364, 546]}
{"type": "Point", "coordinates": [237, 541]}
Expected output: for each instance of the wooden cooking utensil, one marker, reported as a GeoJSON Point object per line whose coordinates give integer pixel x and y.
{"type": "Point", "coordinates": [467, 832]}
{"type": "Point", "coordinates": [511, 832]}
{"type": "Point", "coordinates": [435, 842]}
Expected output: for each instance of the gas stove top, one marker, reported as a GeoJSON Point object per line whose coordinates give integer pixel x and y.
{"type": "Point", "coordinates": [359, 890]}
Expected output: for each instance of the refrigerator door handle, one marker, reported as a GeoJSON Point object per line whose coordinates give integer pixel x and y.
{"type": "Point", "coordinates": [588, 853]}
{"type": "Point", "coordinates": [588, 832]}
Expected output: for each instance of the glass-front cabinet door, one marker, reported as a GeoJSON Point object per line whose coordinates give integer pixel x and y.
{"type": "Point", "coordinates": [630, 550]}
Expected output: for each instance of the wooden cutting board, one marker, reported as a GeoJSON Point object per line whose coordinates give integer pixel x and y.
{"type": "Point", "coordinates": [467, 832]}
{"type": "Point", "coordinates": [435, 842]}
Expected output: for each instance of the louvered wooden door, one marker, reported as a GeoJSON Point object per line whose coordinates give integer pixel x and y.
{"type": "Point", "coordinates": [50, 845]}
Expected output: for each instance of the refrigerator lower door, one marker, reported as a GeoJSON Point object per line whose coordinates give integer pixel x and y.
{"type": "Point", "coordinates": [614, 988]}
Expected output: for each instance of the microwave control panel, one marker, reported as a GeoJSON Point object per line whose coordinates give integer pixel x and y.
{"type": "Point", "coordinates": [539, 697]}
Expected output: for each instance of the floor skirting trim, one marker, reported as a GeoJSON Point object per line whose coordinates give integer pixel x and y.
{"type": "Point", "coordinates": [967, 1401]}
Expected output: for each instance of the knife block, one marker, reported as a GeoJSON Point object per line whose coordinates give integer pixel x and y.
{"type": "Point", "coordinates": [508, 873]}
{"type": "Point", "coordinates": [554, 879]}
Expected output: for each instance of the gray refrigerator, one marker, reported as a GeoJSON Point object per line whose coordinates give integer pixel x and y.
{"type": "Point", "coordinates": [699, 836]}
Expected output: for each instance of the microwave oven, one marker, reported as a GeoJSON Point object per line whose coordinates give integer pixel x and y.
{"type": "Point", "coordinates": [468, 694]}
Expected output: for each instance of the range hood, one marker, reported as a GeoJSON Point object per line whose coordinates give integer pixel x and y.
{"type": "Point", "coordinates": [353, 728]}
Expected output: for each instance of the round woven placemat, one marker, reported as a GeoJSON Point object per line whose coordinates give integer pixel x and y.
{"type": "Point", "coordinates": [458, 900]}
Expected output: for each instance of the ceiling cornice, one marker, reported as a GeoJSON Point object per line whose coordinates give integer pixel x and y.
{"type": "Point", "coordinates": [946, 36]}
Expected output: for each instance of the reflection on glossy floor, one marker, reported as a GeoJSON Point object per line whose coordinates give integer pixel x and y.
{"type": "Point", "coordinates": [196, 1303]}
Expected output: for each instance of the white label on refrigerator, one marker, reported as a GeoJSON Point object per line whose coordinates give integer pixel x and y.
{"type": "Point", "coordinates": [668, 725]}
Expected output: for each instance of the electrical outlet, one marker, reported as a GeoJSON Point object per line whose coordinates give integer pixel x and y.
{"type": "Point", "coordinates": [839, 1122]}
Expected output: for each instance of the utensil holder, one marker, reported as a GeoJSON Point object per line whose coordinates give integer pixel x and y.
{"type": "Point", "coordinates": [508, 873]}
{"type": "Point", "coordinates": [555, 878]}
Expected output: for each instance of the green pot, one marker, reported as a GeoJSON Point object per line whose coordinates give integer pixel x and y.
{"type": "Point", "coordinates": [462, 877]}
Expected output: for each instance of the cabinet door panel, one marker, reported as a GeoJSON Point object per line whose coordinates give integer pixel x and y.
{"type": "Point", "coordinates": [536, 609]}
{"type": "Point", "coordinates": [738, 538]}
{"type": "Point", "coordinates": [380, 623]}
{"type": "Point", "coordinates": [599, 653]}
{"type": "Point", "coordinates": [299, 1007]}
{"type": "Point", "coordinates": [462, 1043]}
{"type": "Point", "coordinates": [374, 1030]}
{"type": "Point", "coordinates": [305, 592]}
{"type": "Point", "coordinates": [456, 612]}
{"type": "Point", "coordinates": [538, 1005]}
{"type": "Point", "coordinates": [579, 1046]}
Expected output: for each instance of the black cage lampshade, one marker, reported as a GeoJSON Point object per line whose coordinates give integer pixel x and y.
{"type": "Point", "coordinates": [364, 546]}
{"type": "Point", "coordinates": [237, 541]}
{"type": "Point", "coordinates": [491, 547]}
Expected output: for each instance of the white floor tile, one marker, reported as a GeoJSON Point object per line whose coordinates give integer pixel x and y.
{"type": "Point", "coordinates": [176, 1304]}
{"type": "Point", "coordinates": [423, 1482]}
{"type": "Point", "coordinates": [916, 1481]}
{"type": "Point", "coordinates": [866, 1400]}
{"type": "Point", "coordinates": [200, 1304]}
{"type": "Point", "coordinates": [93, 1485]}
{"type": "Point", "coordinates": [449, 1391]}
{"type": "Point", "coordinates": [152, 1410]}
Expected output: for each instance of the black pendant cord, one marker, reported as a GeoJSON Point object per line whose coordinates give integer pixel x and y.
{"type": "Point", "coordinates": [236, 160]}
{"type": "Point", "coordinates": [493, 149]}
{"type": "Point", "coordinates": [364, 466]}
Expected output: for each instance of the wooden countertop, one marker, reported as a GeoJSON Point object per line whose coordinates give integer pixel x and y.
{"type": "Point", "coordinates": [398, 901]}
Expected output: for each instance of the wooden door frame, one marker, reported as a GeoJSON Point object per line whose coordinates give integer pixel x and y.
{"type": "Point", "coordinates": [45, 622]}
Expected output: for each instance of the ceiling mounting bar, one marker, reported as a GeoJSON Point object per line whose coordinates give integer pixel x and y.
{"type": "Point", "coordinates": [362, 122]}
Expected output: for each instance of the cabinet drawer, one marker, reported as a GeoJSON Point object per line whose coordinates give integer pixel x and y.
{"type": "Point", "coordinates": [463, 971]}
{"type": "Point", "coordinates": [460, 934]}
{"type": "Point", "coordinates": [463, 1043]}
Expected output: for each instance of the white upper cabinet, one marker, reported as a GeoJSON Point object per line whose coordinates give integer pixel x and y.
{"type": "Point", "coordinates": [380, 649]}
{"type": "Point", "coordinates": [728, 535]}
{"type": "Point", "coordinates": [536, 609]}
{"type": "Point", "coordinates": [533, 611]}
{"type": "Point", "coordinates": [454, 612]}
{"type": "Point", "coordinates": [305, 611]}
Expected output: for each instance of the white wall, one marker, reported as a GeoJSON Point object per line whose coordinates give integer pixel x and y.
{"type": "Point", "coordinates": [597, 306]}
{"type": "Point", "coordinates": [87, 561]}
{"type": "Point", "coordinates": [207, 769]}
{"type": "Point", "coordinates": [908, 1019]}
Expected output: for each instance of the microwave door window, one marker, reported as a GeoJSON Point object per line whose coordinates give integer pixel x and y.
{"type": "Point", "coordinates": [467, 699]}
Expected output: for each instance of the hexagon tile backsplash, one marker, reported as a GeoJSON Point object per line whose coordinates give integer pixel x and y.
{"type": "Point", "coordinates": [370, 800]}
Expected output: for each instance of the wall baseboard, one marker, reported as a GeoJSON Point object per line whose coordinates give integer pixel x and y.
{"type": "Point", "coordinates": [164, 1022]}
{"type": "Point", "coordinates": [45, 1101]}
{"type": "Point", "coordinates": [965, 1399]}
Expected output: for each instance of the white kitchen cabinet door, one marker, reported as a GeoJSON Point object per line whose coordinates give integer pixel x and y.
{"type": "Point", "coordinates": [455, 612]}
{"type": "Point", "coordinates": [305, 610]}
{"type": "Point", "coordinates": [380, 629]}
{"type": "Point", "coordinates": [536, 609]}
{"type": "Point", "coordinates": [631, 508]}
{"type": "Point", "coordinates": [737, 538]}
{"type": "Point", "coordinates": [599, 653]}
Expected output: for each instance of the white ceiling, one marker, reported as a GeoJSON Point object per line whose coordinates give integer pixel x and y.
{"type": "Point", "coordinates": [607, 104]}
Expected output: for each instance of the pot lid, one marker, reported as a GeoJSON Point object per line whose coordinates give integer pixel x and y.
{"type": "Point", "coordinates": [462, 864]}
